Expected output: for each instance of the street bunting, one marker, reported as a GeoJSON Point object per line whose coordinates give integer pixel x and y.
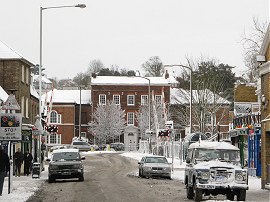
{"type": "Point", "coordinates": [10, 127]}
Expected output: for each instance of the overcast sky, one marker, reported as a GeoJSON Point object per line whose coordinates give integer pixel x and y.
{"type": "Point", "coordinates": [128, 32]}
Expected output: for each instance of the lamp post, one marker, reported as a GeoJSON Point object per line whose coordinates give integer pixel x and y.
{"type": "Point", "coordinates": [80, 111]}
{"type": "Point", "coordinates": [40, 46]}
{"type": "Point", "coordinates": [40, 52]}
{"type": "Point", "coordinates": [190, 88]}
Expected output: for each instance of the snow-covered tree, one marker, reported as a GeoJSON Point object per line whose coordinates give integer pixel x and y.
{"type": "Point", "coordinates": [108, 122]}
{"type": "Point", "coordinates": [142, 117]}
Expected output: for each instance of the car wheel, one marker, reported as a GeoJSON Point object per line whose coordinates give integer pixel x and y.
{"type": "Point", "coordinates": [241, 196]}
{"type": "Point", "coordinates": [81, 178]}
{"type": "Point", "coordinates": [51, 179]}
{"type": "Point", "coordinates": [190, 193]}
{"type": "Point", "coordinates": [197, 194]}
{"type": "Point", "coordinates": [230, 196]}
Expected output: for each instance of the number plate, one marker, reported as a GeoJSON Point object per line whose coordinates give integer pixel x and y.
{"type": "Point", "coordinates": [66, 173]}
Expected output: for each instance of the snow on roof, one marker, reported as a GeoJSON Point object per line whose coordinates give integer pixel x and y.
{"type": "Point", "coordinates": [68, 96]}
{"type": "Point", "coordinates": [213, 145]}
{"type": "Point", "coordinates": [126, 80]}
{"type": "Point", "coordinates": [3, 94]}
{"type": "Point", "coordinates": [33, 92]}
{"type": "Point", "coordinates": [181, 96]}
{"type": "Point", "coordinates": [44, 79]}
{"type": "Point", "coordinates": [7, 53]}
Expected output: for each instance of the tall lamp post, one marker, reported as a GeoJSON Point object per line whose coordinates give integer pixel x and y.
{"type": "Point", "coordinates": [190, 89]}
{"type": "Point", "coordinates": [40, 55]}
{"type": "Point", "coordinates": [40, 46]}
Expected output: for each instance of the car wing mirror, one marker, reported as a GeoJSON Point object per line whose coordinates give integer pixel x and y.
{"type": "Point", "coordinates": [83, 158]}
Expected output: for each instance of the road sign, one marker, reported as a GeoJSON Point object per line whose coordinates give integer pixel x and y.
{"type": "Point", "coordinates": [169, 124]}
{"type": "Point", "coordinates": [11, 127]}
{"type": "Point", "coordinates": [11, 103]}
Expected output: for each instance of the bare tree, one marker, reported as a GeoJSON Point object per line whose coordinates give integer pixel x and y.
{"type": "Point", "coordinates": [251, 45]}
{"type": "Point", "coordinates": [108, 122]}
{"type": "Point", "coordinates": [153, 66]}
{"type": "Point", "coordinates": [95, 66]}
{"type": "Point", "coordinates": [209, 81]}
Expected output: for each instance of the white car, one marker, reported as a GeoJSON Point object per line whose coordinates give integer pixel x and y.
{"type": "Point", "coordinates": [214, 168]}
{"type": "Point", "coordinates": [154, 166]}
{"type": "Point", "coordinates": [81, 145]}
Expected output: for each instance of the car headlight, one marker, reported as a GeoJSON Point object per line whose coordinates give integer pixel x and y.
{"type": "Point", "coordinates": [203, 174]}
{"type": "Point", "coordinates": [77, 166]}
{"type": "Point", "coordinates": [147, 168]}
{"type": "Point", "coordinates": [240, 176]}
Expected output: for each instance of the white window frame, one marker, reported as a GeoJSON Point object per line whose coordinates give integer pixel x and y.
{"type": "Point", "coordinates": [130, 118]}
{"type": "Point", "coordinates": [209, 118]}
{"type": "Point", "coordinates": [158, 99]}
{"type": "Point", "coordinates": [101, 100]}
{"type": "Point", "coordinates": [26, 108]}
{"type": "Point", "coordinates": [144, 99]}
{"type": "Point", "coordinates": [23, 73]}
{"type": "Point", "coordinates": [83, 134]}
{"type": "Point", "coordinates": [57, 139]}
{"type": "Point", "coordinates": [116, 98]}
{"type": "Point", "coordinates": [22, 106]}
{"type": "Point", "coordinates": [58, 117]}
{"type": "Point", "coordinates": [132, 99]}
{"type": "Point", "coordinates": [27, 75]}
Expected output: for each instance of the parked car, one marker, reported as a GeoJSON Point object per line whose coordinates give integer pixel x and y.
{"type": "Point", "coordinates": [81, 145]}
{"type": "Point", "coordinates": [65, 164]}
{"type": "Point", "coordinates": [156, 166]}
{"type": "Point", "coordinates": [214, 168]}
{"type": "Point", "coordinates": [117, 146]}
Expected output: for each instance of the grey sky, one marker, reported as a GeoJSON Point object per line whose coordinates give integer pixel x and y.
{"type": "Point", "coordinates": [128, 32]}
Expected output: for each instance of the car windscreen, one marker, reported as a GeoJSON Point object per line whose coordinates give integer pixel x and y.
{"type": "Point", "coordinates": [80, 143]}
{"type": "Point", "coordinates": [66, 156]}
{"type": "Point", "coordinates": [156, 160]}
{"type": "Point", "coordinates": [220, 154]}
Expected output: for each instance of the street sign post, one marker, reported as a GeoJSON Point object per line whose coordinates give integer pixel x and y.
{"type": "Point", "coordinates": [10, 127]}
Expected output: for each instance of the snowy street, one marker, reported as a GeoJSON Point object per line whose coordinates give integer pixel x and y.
{"type": "Point", "coordinates": [110, 177]}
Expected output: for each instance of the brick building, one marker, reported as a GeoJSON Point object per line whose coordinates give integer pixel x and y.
{"type": "Point", "coordinates": [130, 93]}
{"type": "Point", "coordinates": [15, 74]}
{"type": "Point", "coordinates": [264, 95]}
{"type": "Point", "coordinates": [64, 111]}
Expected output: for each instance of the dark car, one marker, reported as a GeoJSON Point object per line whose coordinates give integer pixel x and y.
{"type": "Point", "coordinates": [65, 164]}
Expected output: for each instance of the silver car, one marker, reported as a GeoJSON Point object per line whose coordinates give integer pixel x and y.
{"type": "Point", "coordinates": [154, 166]}
{"type": "Point", "coordinates": [81, 145]}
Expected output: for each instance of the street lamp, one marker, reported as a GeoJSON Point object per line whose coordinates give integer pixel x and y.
{"type": "Point", "coordinates": [190, 88]}
{"type": "Point", "coordinates": [40, 47]}
{"type": "Point", "coordinates": [40, 52]}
